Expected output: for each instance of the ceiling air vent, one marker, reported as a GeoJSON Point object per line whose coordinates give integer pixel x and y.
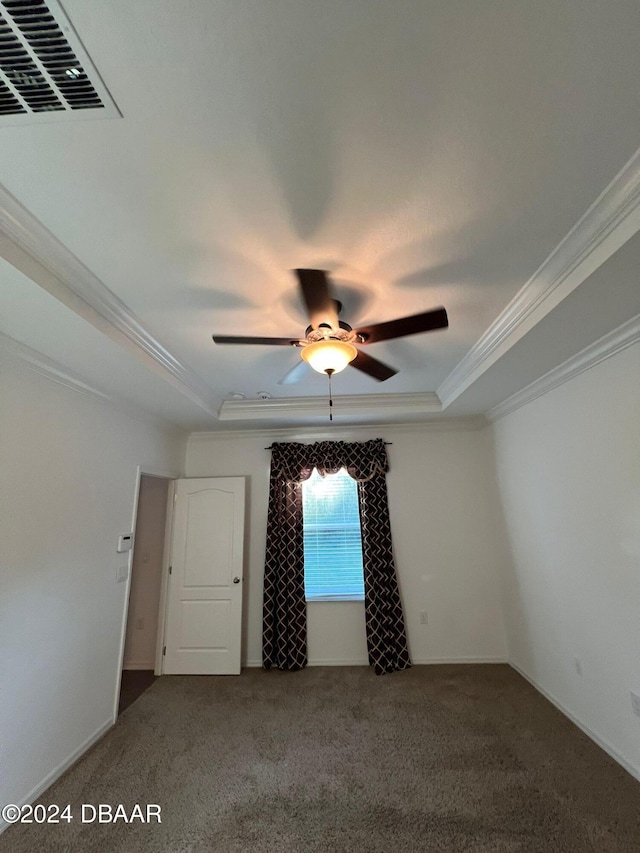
{"type": "Point", "coordinates": [45, 73]}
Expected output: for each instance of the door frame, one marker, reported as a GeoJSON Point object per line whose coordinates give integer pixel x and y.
{"type": "Point", "coordinates": [164, 580]}
{"type": "Point", "coordinates": [147, 471]}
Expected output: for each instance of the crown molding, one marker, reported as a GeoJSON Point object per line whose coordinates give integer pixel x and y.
{"type": "Point", "coordinates": [32, 249]}
{"type": "Point", "coordinates": [52, 370]}
{"type": "Point", "coordinates": [49, 368]}
{"type": "Point", "coordinates": [463, 423]}
{"type": "Point", "coordinates": [360, 406]}
{"type": "Point", "coordinates": [605, 347]}
{"type": "Point", "coordinates": [609, 222]}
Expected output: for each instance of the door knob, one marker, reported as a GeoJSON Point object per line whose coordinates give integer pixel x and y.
{"type": "Point", "coordinates": [236, 580]}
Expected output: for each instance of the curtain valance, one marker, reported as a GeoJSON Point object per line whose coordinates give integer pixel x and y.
{"type": "Point", "coordinates": [294, 462]}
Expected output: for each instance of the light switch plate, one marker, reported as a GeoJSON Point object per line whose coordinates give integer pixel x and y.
{"type": "Point", "coordinates": [635, 701]}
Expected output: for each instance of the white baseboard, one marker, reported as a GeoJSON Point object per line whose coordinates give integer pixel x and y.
{"type": "Point", "coordinates": [603, 743]}
{"type": "Point", "coordinates": [136, 664]}
{"type": "Point", "coordinates": [414, 661]}
{"type": "Point", "coordinates": [253, 664]}
{"type": "Point", "coordinates": [417, 661]}
{"type": "Point", "coordinates": [51, 777]}
{"type": "Point", "coordinates": [458, 660]}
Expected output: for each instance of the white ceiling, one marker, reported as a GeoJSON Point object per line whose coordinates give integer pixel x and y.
{"type": "Point", "coordinates": [426, 153]}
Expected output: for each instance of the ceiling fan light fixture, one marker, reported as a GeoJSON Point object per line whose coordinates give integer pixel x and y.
{"type": "Point", "coordinates": [329, 355]}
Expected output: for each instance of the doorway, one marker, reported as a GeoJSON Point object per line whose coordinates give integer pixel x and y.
{"type": "Point", "coordinates": [141, 636]}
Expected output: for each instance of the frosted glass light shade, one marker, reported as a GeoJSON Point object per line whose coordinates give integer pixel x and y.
{"type": "Point", "coordinates": [329, 355]}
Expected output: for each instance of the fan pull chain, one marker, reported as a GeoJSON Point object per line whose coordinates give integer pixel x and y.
{"type": "Point", "coordinates": [329, 373]}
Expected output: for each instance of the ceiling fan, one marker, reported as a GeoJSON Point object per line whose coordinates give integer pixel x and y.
{"type": "Point", "coordinates": [330, 344]}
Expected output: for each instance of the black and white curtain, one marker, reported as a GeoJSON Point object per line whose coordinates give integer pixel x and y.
{"type": "Point", "coordinates": [284, 637]}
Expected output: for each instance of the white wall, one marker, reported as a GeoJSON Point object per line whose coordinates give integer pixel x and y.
{"type": "Point", "coordinates": [569, 475]}
{"type": "Point", "coordinates": [67, 485]}
{"type": "Point", "coordinates": [442, 499]}
{"type": "Point", "coordinates": [146, 574]}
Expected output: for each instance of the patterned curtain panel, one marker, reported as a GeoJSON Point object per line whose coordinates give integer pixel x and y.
{"type": "Point", "coordinates": [284, 615]}
{"type": "Point", "coordinates": [386, 638]}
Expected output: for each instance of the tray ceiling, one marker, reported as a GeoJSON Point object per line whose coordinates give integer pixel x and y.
{"type": "Point", "coordinates": [425, 153]}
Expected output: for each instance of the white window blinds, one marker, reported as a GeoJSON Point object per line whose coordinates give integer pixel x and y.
{"type": "Point", "coordinates": [332, 540]}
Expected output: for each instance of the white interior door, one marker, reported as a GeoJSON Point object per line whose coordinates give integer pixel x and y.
{"type": "Point", "coordinates": [204, 596]}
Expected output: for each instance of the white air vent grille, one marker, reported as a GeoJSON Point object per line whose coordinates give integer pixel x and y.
{"type": "Point", "coordinates": [43, 67]}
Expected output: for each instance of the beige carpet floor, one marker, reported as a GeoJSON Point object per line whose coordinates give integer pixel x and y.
{"type": "Point", "coordinates": [439, 758]}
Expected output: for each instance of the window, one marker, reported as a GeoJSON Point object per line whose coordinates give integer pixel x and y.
{"type": "Point", "coordinates": [332, 540]}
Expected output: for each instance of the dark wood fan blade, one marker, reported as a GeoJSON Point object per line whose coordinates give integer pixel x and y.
{"type": "Point", "coordinates": [425, 322]}
{"type": "Point", "coordinates": [321, 307]}
{"type": "Point", "coordinates": [277, 342]}
{"type": "Point", "coordinates": [373, 367]}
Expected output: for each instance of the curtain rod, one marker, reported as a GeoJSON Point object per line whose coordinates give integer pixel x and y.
{"type": "Point", "coordinates": [386, 444]}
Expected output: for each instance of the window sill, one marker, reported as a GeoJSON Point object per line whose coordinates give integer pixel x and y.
{"type": "Point", "coordinates": [335, 598]}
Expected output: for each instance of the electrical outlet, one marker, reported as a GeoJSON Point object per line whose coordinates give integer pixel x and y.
{"type": "Point", "coordinates": [423, 617]}
{"type": "Point", "coordinates": [578, 665]}
{"type": "Point", "coordinates": [635, 702]}
{"type": "Point", "coordinates": [122, 574]}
